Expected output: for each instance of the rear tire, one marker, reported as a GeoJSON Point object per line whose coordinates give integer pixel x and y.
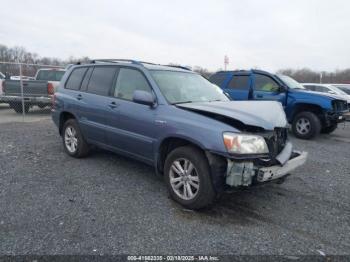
{"type": "Point", "coordinates": [73, 141]}
{"type": "Point", "coordinates": [306, 125]}
{"type": "Point", "coordinates": [18, 107]}
{"type": "Point", "coordinates": [190, 185]}
{"type": "Point", "coordinates": [329, 129]}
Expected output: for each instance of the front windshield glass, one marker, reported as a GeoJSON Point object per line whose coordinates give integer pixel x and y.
{"type": "Point", "coordinates": [345, 89]}
{"type": "Point", "coordinates": [337, 90]}
{"type": "Point", "coordinates": [183, 87]}
{"type": "Point", "coordinates": [290, 82]}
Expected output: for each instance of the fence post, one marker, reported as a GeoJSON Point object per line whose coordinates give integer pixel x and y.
{"type": "Point", "coordinates": [21, 83]}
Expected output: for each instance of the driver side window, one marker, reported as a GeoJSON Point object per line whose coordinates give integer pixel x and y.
{"type": "Point", "coordinates": [265, 83]}
{"type": "Point", "coordinates": [128, 81]}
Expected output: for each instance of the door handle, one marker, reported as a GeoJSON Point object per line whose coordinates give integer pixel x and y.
{"type": "Point", "coordinates": [79, 97]}
{"type": "Point", "coordinates": [259, 96]}
{"type": "Point", "coordinates": [113, 105]}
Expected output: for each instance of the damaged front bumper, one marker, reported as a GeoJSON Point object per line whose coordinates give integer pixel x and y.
{"type": "Point", "coordinates": [275, 172]}
{"type": "Point", "coordinates": [246, 173]}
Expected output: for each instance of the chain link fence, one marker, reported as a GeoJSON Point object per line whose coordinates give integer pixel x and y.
{"type": "Point", "coordinates": [26, 90]}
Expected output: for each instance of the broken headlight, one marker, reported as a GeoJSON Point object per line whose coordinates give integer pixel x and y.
{"type": "Point", "coordinates": [245, 144]}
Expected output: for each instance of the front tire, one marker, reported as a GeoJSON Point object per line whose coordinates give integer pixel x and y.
{"type": "Point", "coordinates": [187, 175]}
{"type": "Point", "coordinates": [73, 140]}
{"type": "Point", "coordinates": [329, 129]}
{"type": "Point", "coordinates": [306, 125]}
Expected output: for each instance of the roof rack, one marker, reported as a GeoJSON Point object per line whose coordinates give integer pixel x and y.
{"type": "Point", "coordinates": [114, 61]}
{"type": "Point", "coordinates": [117, 60]}
{"type": "Point", "coordinates": [181, 67]}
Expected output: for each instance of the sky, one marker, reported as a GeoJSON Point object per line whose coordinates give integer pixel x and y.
{"type": "Point", "coordinates": [266, 34]}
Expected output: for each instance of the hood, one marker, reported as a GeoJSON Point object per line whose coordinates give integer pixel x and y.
{"type": "Point", "coordinates": [327, 95]}
{"type": "Point", "coordinates": [265, 114]}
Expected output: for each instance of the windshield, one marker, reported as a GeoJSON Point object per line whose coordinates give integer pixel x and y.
{"type": "Point", "coordinates": [345, 89]}
{"type": "Point", "coordinates": [183, 87]}
{"type": "Point", "coordinates": [290, 82]}
{"type": "Point", "coordinates": [337, 90]}
{"type": "Point", "coordinates": [50, 75]}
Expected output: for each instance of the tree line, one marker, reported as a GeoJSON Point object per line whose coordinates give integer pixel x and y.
{"type": "Point", "coordinates": [15, 54]}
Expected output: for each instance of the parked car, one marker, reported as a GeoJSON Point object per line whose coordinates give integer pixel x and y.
{"type": "Point", "coordinates": [344, 87]}
{"type": "Point", "coordinates": [35, 92]}
{"type": "Point", "coordinates": [178, 122]}
{"type": "Point", "coordinates": [328, 88]}
{"type": "Point", "coordinates": [2, 77]}
{"type": "Point", "coordinates": [308, 113]}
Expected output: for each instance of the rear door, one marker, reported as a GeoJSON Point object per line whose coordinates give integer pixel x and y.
{"type": "Point", "coordinates": [239, 87]}
{"type": "Point", "coordinates": [267, 88]}
{"type": "Point", "coordinates": [94, 98]}
{"type": "Point", "coordinates": [132, 126]}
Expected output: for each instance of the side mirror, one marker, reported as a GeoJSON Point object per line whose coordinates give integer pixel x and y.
{"type": "Point", "coordinates": [143, 97]}
{"type": "Point", "coordinates": [331, 92]}
{"type": "Point", "coordinates": [282, 89]}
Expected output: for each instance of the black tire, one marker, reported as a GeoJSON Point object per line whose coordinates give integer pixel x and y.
{"type": "Point", "coordinates": [205, 193]}
{"type": "Point", "coordinates": [18, 107]}
{"type": "Point", "coordinates": [329, 129]}
{"type": "Point", "coordinates": [314, 125]}
{"type": "Point", "coordinates": [82, 148]}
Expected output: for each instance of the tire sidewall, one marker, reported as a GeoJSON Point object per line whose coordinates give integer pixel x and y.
{"type": "Point", "coordinates": [73, 123]}
{"type": "Point", "coordinates": [201, 164]}
{"type": "Point", "coordinates": [315, 125]}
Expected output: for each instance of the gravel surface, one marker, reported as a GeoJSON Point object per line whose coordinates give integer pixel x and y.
{"type": "Point", "coordinates": [107, 204]}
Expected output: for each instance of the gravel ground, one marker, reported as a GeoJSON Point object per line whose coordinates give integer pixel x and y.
{"type": "Point", "coordinates": [107, 204]}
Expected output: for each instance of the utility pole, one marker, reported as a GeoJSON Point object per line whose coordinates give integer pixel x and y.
{"type": "Point", "coordinates": [226, 62]}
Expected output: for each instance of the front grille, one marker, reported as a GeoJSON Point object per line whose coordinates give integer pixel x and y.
{"type": "Point", "coordinates": [277, 142]}
{"type": "Point", "coordinates": [340, 106]}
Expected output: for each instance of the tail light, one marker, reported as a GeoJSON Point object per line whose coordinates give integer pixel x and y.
{"type": "Point", "coordinates": [50, 89]}
{"type": "Point", "coordinates": [53, 100]}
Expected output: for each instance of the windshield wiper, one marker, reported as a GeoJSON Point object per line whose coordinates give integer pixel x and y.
{"type": "Point", "coordinates": [182, 102]}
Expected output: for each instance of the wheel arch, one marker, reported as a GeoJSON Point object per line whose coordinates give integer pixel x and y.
{"type": "Point", "coordinates": [168, 144]}
{"type": "Point", "coordinates": [301, 107]}
{"type": "Point", "coordinates": [64, 116]}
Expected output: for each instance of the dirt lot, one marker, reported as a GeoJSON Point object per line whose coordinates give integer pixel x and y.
{"type": "Point", "coordinates": [107, 204]}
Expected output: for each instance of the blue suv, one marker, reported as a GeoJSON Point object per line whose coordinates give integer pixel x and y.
{"type": "Point", "coordinates": [178, 122]}
{"type": "Point", "coordinates": [308, 112]}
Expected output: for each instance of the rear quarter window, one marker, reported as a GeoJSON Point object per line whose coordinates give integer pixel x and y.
{"type": "Point", "coordinates": [75, 78]}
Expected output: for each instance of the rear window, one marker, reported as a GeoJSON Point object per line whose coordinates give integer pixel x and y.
{"type": "Point", "coordinates": [101, 80]}
{"type": "Point", "coordinates": [50, 75]}
{"type": "Point", "coordinates": [75, 78]}
{"type": "Point", "coordinates": [239, 82]}
{"type": "Point", "coordinates": [218, 79]}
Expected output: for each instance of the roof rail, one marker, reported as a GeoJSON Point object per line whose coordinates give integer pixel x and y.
{"type": "Point", "coordinates": [93, 61]}
{"type": "Point", "coordinates": [181, 67]}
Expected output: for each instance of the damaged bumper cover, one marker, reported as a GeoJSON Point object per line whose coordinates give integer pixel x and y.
{"type": "Point", "coordinates": [246, 173]}
{"type": "Point", "coordinates": [275, 172]}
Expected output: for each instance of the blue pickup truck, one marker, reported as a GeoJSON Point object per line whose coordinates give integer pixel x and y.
{"type": "Point", "coordinates": [308, 112]}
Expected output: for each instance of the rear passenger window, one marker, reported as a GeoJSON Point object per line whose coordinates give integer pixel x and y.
{"type": "Point", "coordinates": [218, 79]}
{"type": "Point", "coordinates": [75, 78]}
{"type": "Point", "coordinates": [239, 82]}
{"type": "Point", "coordinates": [101, 80]}
{"type": "Point", "coordinates": [128, 81]}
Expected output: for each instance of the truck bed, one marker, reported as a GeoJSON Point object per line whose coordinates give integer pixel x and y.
{"type": "Point", "coordinates": [31, 88]}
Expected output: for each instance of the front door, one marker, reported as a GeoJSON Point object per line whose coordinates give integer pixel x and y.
{"type": "Point", "coordinates": [132, 126]}
{"type": "Point", "coordinates": [266, 88]}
